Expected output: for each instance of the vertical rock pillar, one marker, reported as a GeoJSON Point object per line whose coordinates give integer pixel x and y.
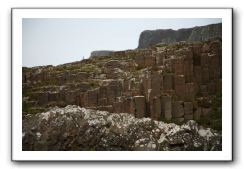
{"type": "Point", "coordinates": [140, 106]}
{"type": "Point", "coordinates": [166, 107]}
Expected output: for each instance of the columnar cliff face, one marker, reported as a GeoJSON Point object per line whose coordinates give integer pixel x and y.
{"type": "Point", "coordinates": [152, 37]}
{"type": "Point", "coordinates": [174, 83]}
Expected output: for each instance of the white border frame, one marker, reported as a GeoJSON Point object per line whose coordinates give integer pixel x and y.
{"type": "Point", "coordinates": [19, 155]}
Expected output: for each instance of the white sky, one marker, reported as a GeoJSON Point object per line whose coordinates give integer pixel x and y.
{"type": "Point", "coordinates": [58, 41]}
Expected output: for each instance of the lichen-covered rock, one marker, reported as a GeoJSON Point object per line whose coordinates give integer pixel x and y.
{"type": "Point", "coordinates": [77, 129]}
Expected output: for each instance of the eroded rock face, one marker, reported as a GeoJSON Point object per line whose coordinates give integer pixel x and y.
{"type": "Point", "coordinates": [74, 128]}
{"type": "Point", "coordinates": [166, 36]}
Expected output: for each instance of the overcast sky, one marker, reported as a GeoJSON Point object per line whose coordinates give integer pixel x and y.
{"type": "Point", "coordinates": [58, 41]}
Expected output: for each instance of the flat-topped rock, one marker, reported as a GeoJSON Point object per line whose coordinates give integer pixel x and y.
{"type": "Point", "coordinates": [99, 53]}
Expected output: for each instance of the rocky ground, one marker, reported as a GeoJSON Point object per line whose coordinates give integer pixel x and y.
{"type": "Point", "coordinates": [76, 129]}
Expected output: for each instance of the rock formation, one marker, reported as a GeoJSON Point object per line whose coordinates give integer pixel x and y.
{"type": "Point", "coordinates": [171, 83]}
{"type": "Point", "coordinates": [78, 129]}
{"type": "Point", "coordinates": [99, 53]}
{"type": "Point", "coordinates": [177, 82]}
{"type": "Point", "coordinates": [166, 36]}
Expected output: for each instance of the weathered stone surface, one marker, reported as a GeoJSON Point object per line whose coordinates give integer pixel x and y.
{"type": "Point", "coordinates": [190, 91]}
{"type": "Point", "coordinates": [219, 86]}
{"type": "Point", "coordinates": [215, 46]}
{"type": "Point", "coordinates": [204, 59]}
{"type": "Point", "coordinates": [77, 99]}
{"type": "Point", "coordinates": [205, 75]}
{"type": "Point", "coordinates": [82, 75]}
{"type": "Point", "coordinates": [82, 99]}
{"type": "Point", "coordinates": [53, 96]}
{"type": "Point", "coordinates": [102, 102]}
{"type": "Point", "coordinates": [146, 82]}
{"type": "Point", "coordinates": [156, 108]}
{"type": "Point", "coordinates": [206, 112]}
{"type": "Point", "coordinates": [188, 117]}
{"type": "Point", "coordinates": [140, 109]}
{"type": "Point", "coordinates": [130, 105]}
{"type": "Point", "coordinates": [70, 97]}
{"type": "Point", "coordinates": [179, 85]}
{"type": "Point", "coordinates": [188, 108]}
{"type": "Point", "coordinates": [156, 80]}
{"type": "Point", "coordinates": [136, 92]}
{"type": "Point", "coordinates": [144, 58]}
{"type": "Point", "coordinates": [205, 48]}
{"type": "Point", "coordinates": [113, 91]}
{"type": "Point", "coordinates": [160, 58]}
{"type": "Point", "coordinates": [140, 61]}
{"type": "Point", "coordinates": [103, 92]}
{"type": "Point", "coordinates": [178, 109]}
{"type": "Point", "coordinates": [179, 120]}
{"type": "Point", "coordinates": [150, 61]}
{"type": "Point", "coordinates": [188, 67]}
{"type": "Point", "coordinates": [178, 66]}
{"type": "Point", "coordinates": [168, 82]}
{"type": "Point", "coordinates": [214, 66]}
{"type": "Point", "coordinates": [166, 107]}
{"type": "Point", "coordinates": [204, 90]}
{"type": "Point", "coordinates": [204, 102]}
{"type": "Point", "coordinates": [126, 85]}
{"type": "Point", "coordinates": [42, 97]}
{"type": "Point", "coordinates": [92, 96]}
{"type": "Point", "coordinates": [118, 107]}
{"type": "Point", "coordinates": [30, 103]}
{"type": "Point", "coordinates": [83, 87]}
{"type": "Point", "coordinates": [128, 94]}
{"type": "Point", "coordinates": [114, 69]}
{"type": "Point", "coordinates": [99, 53]}
{"type": "Point", "coordinates": [180, 91]}
{"type": "Point", "coordinates": [197, 74]}
{"type": "Point", "coordinates": [211, 88]}
{"type": "Point", "coordinates": [62, 95]}
{"type": "Point", "coordinates": [198, 113]}
{"type": "Point", "coordinates": [168, 64]}
{"type": "Point", "coordinates": [108, 108]}
{"type": "Point", "coordinates": [179, 80]}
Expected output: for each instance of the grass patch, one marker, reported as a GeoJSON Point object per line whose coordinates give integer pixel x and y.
{"type": "Point", "coordinates": [93, 83]}
{"type": "Point", "coordinates": [88, 68]}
